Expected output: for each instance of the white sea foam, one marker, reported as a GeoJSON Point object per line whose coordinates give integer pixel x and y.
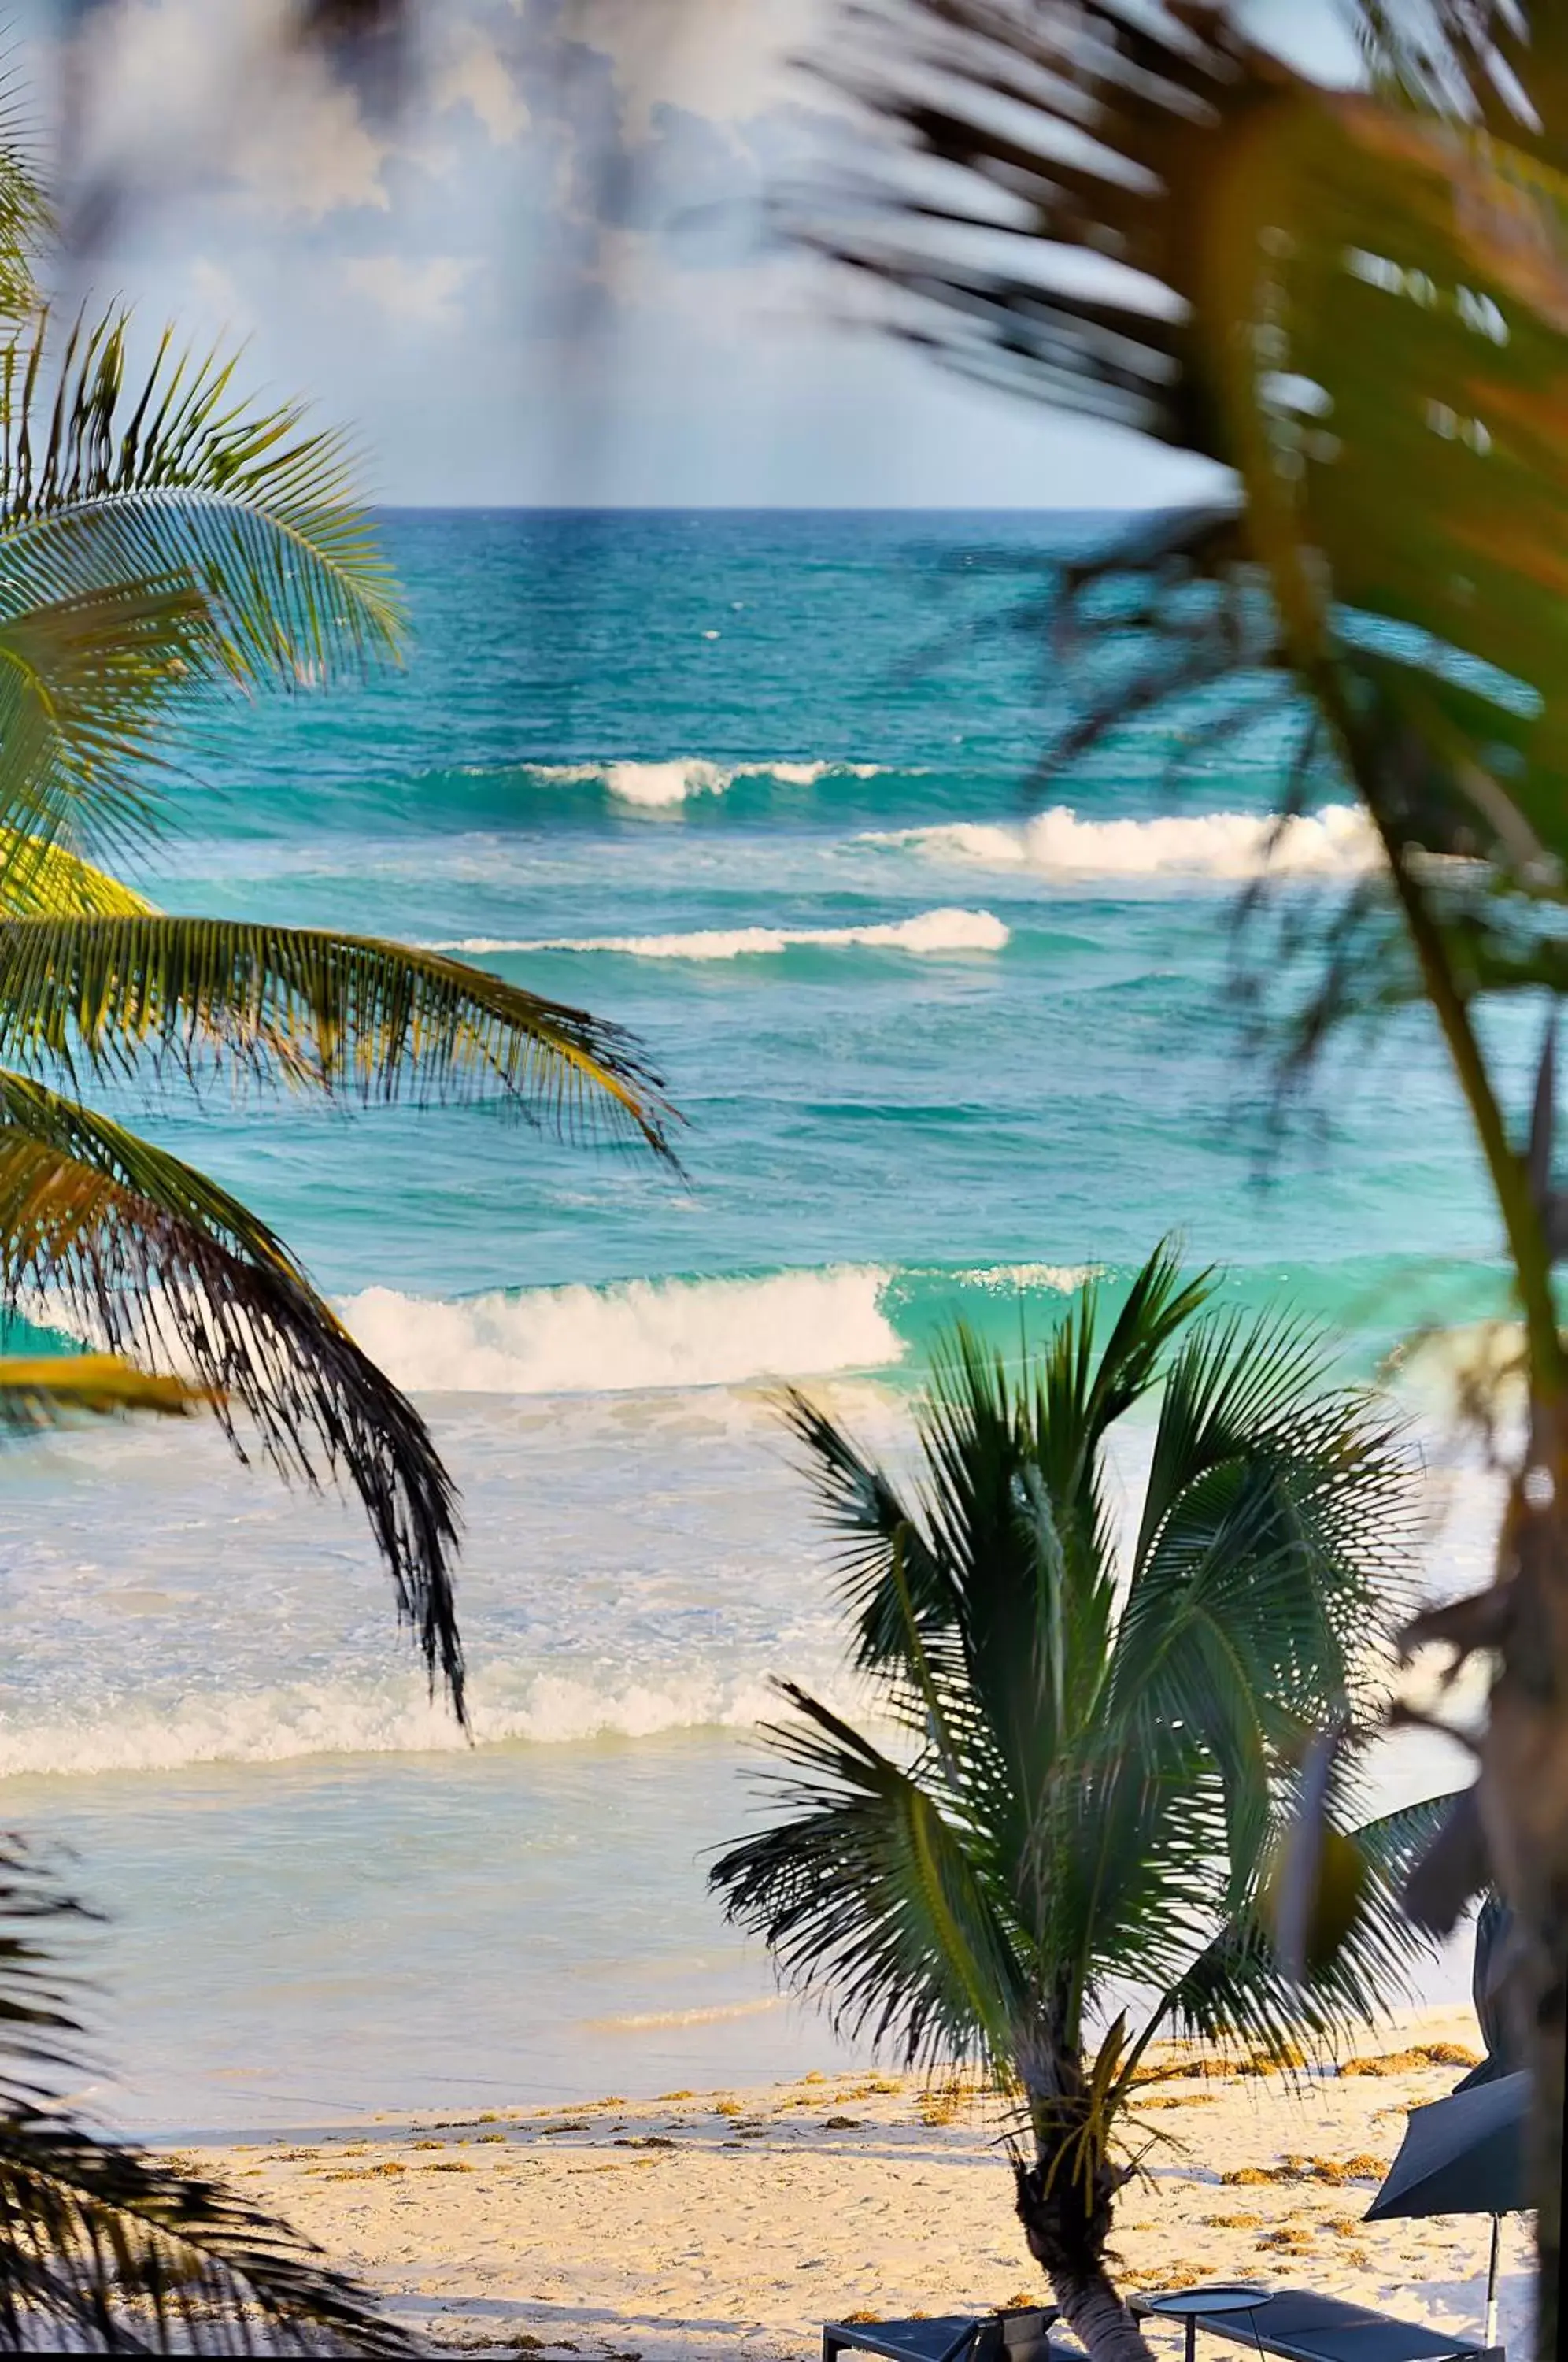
{"type": "Point", "coordinates": [393, 1716]}
{"type": "Point", "coordinates": [654, 787]}
{"type": "Point", "coordinates": [645, 2021]}
{"type": "Point", "coordinates": [1336, 842]}
{"type": "Point", "coordinates": [929, 932]}
{"type": "Point", "coordinates": [1057, 1279]}
{"type": "Point", "coordinates": [642, 1334]}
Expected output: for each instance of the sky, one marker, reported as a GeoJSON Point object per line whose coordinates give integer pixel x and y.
{"type": "Point", "coordinates": [544, 277]}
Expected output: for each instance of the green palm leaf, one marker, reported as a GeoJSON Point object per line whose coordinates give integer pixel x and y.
{"type": "Point", "coordinates": [159, 535]}
{"type": "Point", "coordinates": [39, 1391]}
{"type": "Point", "coordinates": [45, 881]}
{"type": "Point", "coordinates": [150, 1258]}
{"type": "Point", "coordinates": [24, 207]}
{"type": "Point", "coordinates": [868, 1890]}
{"type": "Point", "coordinates": [1235, 1990]}
{"type": "Point", "coordinates": [1275, 1536]}
{"type": "Point", "coordinates": [345, 1014]}
{"type": "Point", "coordinates": [105, 2247]}
{"type": "Point", "coordinates": [1360, 310]}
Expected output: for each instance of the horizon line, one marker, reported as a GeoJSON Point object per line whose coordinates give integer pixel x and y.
{"type": "Point", "coordinates": [771, 508]}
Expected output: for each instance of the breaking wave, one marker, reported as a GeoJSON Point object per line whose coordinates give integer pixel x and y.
{"type": "Point", "coordinates": [644, 1333]}
{"type": "Point", "coordinates": [654, 787]}
{"type": "Point", "coordinates": [931, 932]}
{"type": "Point", "coordinates": [391, 1717]}
{"type": "Point", "coordinates": [1337, 841]}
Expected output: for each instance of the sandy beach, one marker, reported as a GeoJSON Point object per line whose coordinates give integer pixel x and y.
{"type": "Point", "coordinates": [734, 2222]}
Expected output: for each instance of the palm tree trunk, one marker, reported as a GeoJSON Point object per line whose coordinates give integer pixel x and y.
{"type": "Point", "coordinates": [1066, 2236]}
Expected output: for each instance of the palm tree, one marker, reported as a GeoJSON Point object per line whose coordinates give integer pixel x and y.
{"type": "Point", "coordinates": [163, 541]}
{"type": "Point", "coordinates": [1089, 1764]}
{"type": "Point", "coordinates": [1356, 301]}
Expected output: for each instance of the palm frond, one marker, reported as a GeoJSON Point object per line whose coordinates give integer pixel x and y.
{"type": "Point", "coordinates": [38, 1391]}
{"type": "Point", "coordinates": [90, 681]}
{"type": "Point", "coordinates": [867, 1895]}
{"type": "Point", "coordinates": [1028, 1569]}
{"type": "Point", "coordinates": [1275, 1533]}
{"type": "Point", "coordinates": [252, 505]}
{"type": "Point", "coordinates": [159, 535]}
{"type": "Point", "coordinates": [1360, 309]}
{"type": "Point", "coordinates": [104, 2246]}
{"type": "Point", "coordinates": [150, 1258]}
{"type": "Point", "coordinates": [1235, 1989]}
{"type": "Point", "coordinates": [1499, 63]}
{"type": "Point", "coordinates": [1000, 134]}
{"type": "Point", "coordinates": [25, 219]}
{"type": "Point", "coordinates": [881, 1556]}
{"type": "Point", "coordinates": [344, 1014]}
{"type": "Point", "coordinates": [39, 880]}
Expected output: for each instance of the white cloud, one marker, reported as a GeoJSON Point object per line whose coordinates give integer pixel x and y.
{"type": "Point", "coordinates": [424, 293]}
{"type": "Point", "coordinates": [177, 89]}
{"type": "Point", "coordinates": [727, 59]}
{"type": "Point", "coordinates": [477, 78]}
{"type": "Point", "coordinates": [217, 304]}
{"type": "Point", "coordinates": [311, 153]}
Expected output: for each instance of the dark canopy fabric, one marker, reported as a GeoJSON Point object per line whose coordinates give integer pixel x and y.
{"type": "Point", "coordinates": [1463, 2155]}
{"type": "Point", "coordinates": [1496, 1968]}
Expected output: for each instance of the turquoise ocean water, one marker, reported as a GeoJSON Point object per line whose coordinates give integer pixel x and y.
{"type": "Point", "coordinates": [758, 787]}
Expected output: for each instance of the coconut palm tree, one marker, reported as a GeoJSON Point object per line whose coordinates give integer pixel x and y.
{"type": "Point", "coordinates": [1058, 1843]}
{"type": "Point", "coordinates": [1355, 301]}
{"type": "Point", "coordinates": [164, 541]}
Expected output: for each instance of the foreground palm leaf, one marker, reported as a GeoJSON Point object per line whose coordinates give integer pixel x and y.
{"type": "Point", "coordinates": [44, 881]}
{"type": "Point", "coordinates": [38, 1391]}
{"type": "Point", "coordinates": [150, 1258]}
{"type": "Point", "coordinates": [159, 538]}
{"type": "Point", "coordinates": [162, 539]}
{"type": "Point", "coordinates": [1358, 302]}
{"type": "Point", "coordinates": [105, 2248]}
{"type": "Point", "coordinates": [343, 1014]}
{"type": "Point", "coordinates": [1094, 1759]}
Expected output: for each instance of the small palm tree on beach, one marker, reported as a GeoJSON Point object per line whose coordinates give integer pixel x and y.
{"type": "Point", "coordinates": [163, 541]}
{"type": "Point", "coordinates": [1056, 1845]}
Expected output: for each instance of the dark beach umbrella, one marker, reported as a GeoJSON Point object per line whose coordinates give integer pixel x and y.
{"type": "Point", "coordinates": [1463, 2155]}
{"type": "Point", "coordinates": [1493, 1976]}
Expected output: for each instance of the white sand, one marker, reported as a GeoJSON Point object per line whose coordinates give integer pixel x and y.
{"type": "Point", "coordinates": [718, 2224]}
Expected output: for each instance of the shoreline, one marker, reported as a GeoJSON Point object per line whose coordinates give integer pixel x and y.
{"type": "Point", "coordinates": [734, 2222]}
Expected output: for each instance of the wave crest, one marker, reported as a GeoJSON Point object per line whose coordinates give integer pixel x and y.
{"type": "Point", "coordinates": [642, 1334]}
{"type": "Point", "coordinates": [659, 786]}
{"type": "Point", "coordinates": [391, 1717]}
{"type": "Point", "coordinates": [929, 932]}
{"type": "Point", "coordinates": [1337, 841]}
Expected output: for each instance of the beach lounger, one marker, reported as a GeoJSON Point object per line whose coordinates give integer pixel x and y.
{"type": "Point", "coordinates": [1301, 2327]}
{"type": "Point", "coordinates": [953, 2337]}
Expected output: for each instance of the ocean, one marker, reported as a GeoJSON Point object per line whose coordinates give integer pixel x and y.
{"type": "Point", "coordinates": [945, 1037]}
